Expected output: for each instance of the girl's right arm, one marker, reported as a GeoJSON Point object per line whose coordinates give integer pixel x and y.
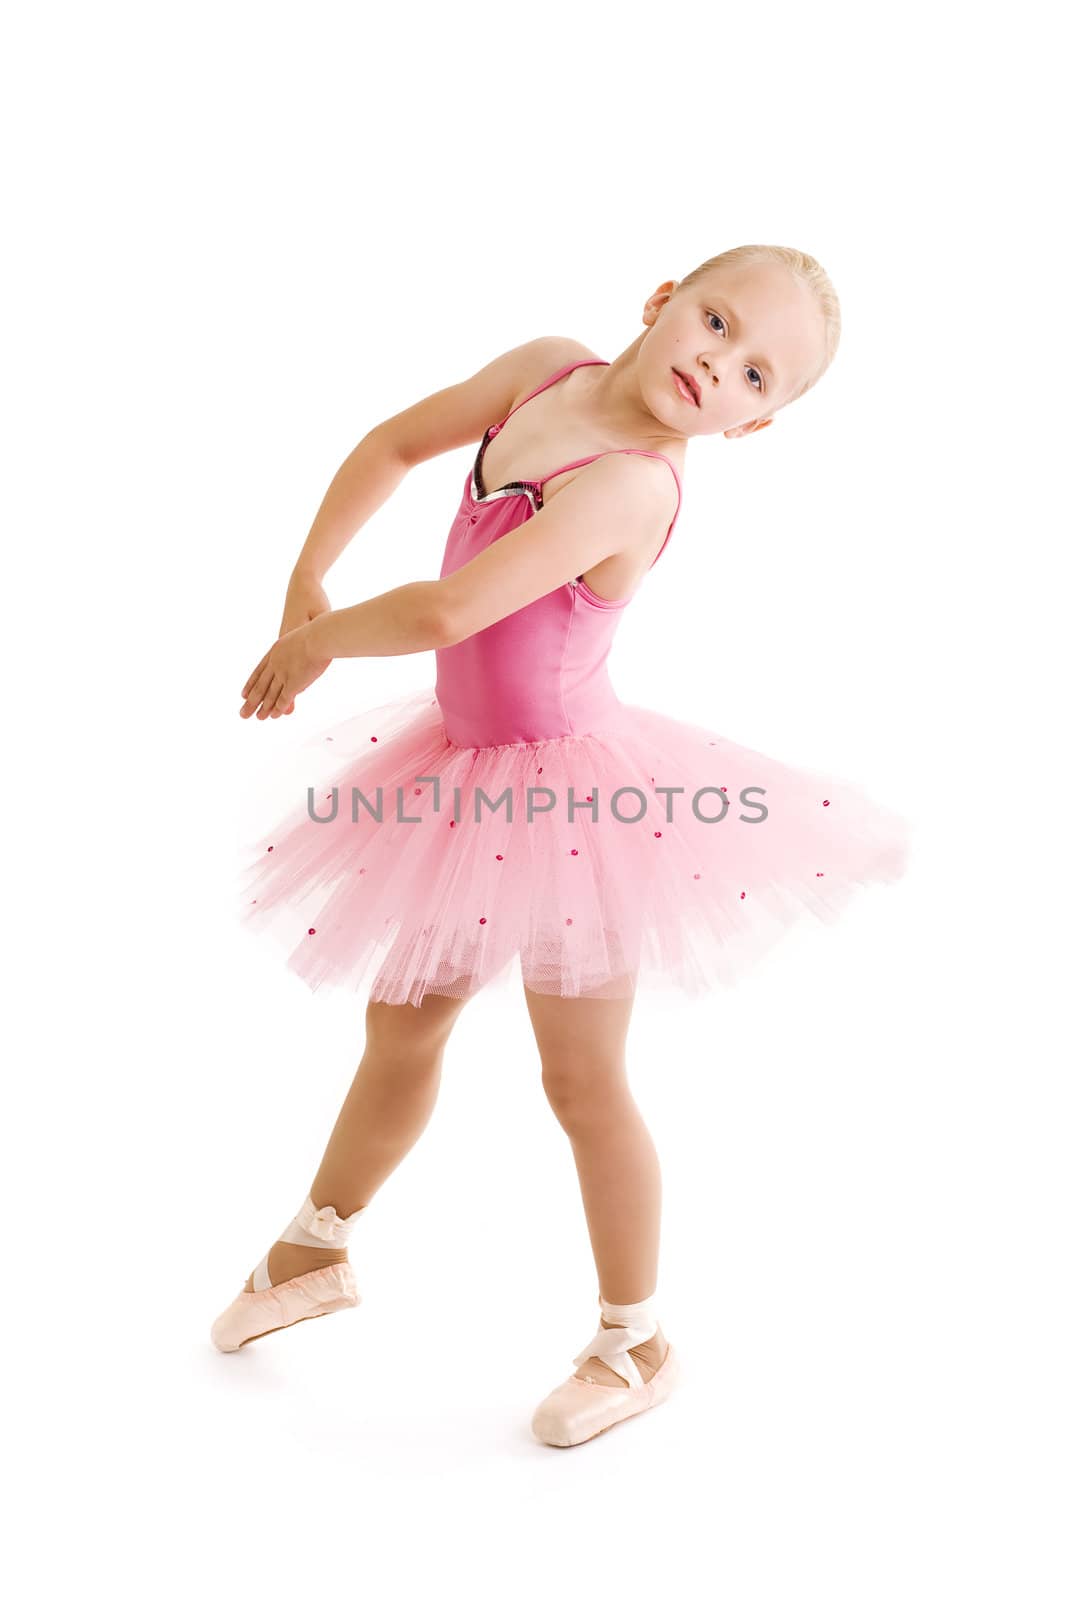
{"type": "Point", "coordinates": [452, 417]}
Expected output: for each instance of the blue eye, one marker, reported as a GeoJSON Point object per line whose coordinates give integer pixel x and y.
{"type": "Point", "coordinates": [715, 316]}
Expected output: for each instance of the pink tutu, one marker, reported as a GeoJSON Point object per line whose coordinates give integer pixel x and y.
{"type": "Point", "coordinates": [522, 810]}
{"type": "Point", "coordinates": [448, 889]}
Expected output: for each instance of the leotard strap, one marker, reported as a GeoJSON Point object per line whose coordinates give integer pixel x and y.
{"type": "Point", "coordinates": [584, 461]}
{"type": "Point", "coordinates": [556, 376]}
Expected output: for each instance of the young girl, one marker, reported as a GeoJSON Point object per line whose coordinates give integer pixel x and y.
{"type": "Point", "coordinates": [522, 809]}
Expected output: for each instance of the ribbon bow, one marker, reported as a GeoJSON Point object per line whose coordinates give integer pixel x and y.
{"type": "Point", "coordinates": [323, 1223]}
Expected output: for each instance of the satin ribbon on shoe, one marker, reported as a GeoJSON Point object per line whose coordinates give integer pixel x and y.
{"type": "Point", "coordinates": [312, 1225]}
{"type": "Point", "coordinates": [612, 1345]}
{"type": "Point", "coordinates": [320, 1225]}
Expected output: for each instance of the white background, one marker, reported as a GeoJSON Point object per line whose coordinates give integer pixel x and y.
{"type": "Point", "coordinates": [238, 237]}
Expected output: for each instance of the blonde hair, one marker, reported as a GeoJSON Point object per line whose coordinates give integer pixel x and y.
{"type": "Point", "coordinates": [806, 270]}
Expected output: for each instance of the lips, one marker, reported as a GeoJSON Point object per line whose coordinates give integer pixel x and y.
{"type": "Point", "coordinates": [690, 382]}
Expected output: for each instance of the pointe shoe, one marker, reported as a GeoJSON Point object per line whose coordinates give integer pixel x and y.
{"type": "Point", "coordinates": [581, 1408]}
{"type": "Point", "coordinates": [268, 1308]}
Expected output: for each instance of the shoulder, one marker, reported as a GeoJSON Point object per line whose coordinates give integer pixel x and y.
{"type": "Point", "coordinates": [460, 413]}
{"type": "Point", "coordinates": [646, 484]}
{"type": "Point", "coordinates": [636, 497]}
{"type": "Point", "coordinates": [558, 348]}
{"type": "Point", "coordinates": [540, 358]}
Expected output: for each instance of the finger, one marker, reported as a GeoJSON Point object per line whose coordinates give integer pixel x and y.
{"type": "Point", "coordinates": [280, 701]}
{"type": "Point", "coordinates": [254, 674]}
{"type": "Point", "coordinates": [285, 704]}
{"type": "Point", "coordinates": [270, 698]}
{"type": "Point", "coordinates": [256, 692]}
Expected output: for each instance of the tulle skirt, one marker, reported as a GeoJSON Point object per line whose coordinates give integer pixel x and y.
{"type": "Point", "coordinates": [661, 853]}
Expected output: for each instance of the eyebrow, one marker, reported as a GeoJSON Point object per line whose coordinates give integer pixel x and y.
{"type": "Point", "coordinates": [735, 322]}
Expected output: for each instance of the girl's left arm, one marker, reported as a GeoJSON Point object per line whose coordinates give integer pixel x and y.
{"type": "Point", "coordinates": [620, 502]}
{"type": "Point", "coordinates": [400, 622]}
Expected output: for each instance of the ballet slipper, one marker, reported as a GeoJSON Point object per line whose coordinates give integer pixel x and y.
{"type": "Point", "coordinates": [256, 1312]}
{"type": "Point", "coordinates": [581, 1408]}
{"type": "Point", "coordinates": [268, 1308]}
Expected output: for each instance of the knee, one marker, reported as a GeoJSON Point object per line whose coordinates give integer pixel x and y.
{"type": "Point", "coordinates": [584, 1092]}
{"type": "Point", "coordinates": [403, 1040]}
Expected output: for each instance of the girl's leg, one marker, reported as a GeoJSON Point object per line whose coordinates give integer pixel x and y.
{"type": "Point", "coordinates": [387, 1108]}
{"type": "Point", "coordinates": [582, 1044]}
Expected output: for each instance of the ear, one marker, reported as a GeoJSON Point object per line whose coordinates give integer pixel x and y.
{"type": "Point", "coordinates": [748, 427]}
{"type": "Point", "coordinates": [662, 295]}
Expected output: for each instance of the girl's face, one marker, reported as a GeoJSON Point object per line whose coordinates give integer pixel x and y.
{"type": "Point", "coordinates": [747, 336]}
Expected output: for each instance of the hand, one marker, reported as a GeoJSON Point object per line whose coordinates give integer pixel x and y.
{"type": "Point", "coordinates": [288, 667]}
{"type": "Point", "coordinates": [305, 599]}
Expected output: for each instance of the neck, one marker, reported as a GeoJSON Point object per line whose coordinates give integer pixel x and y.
{"type": "Point", "coordinates": [613, 400]}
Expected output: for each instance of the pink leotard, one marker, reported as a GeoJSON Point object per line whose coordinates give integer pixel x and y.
{"type": "Point", "coordinates": [540, 673]}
